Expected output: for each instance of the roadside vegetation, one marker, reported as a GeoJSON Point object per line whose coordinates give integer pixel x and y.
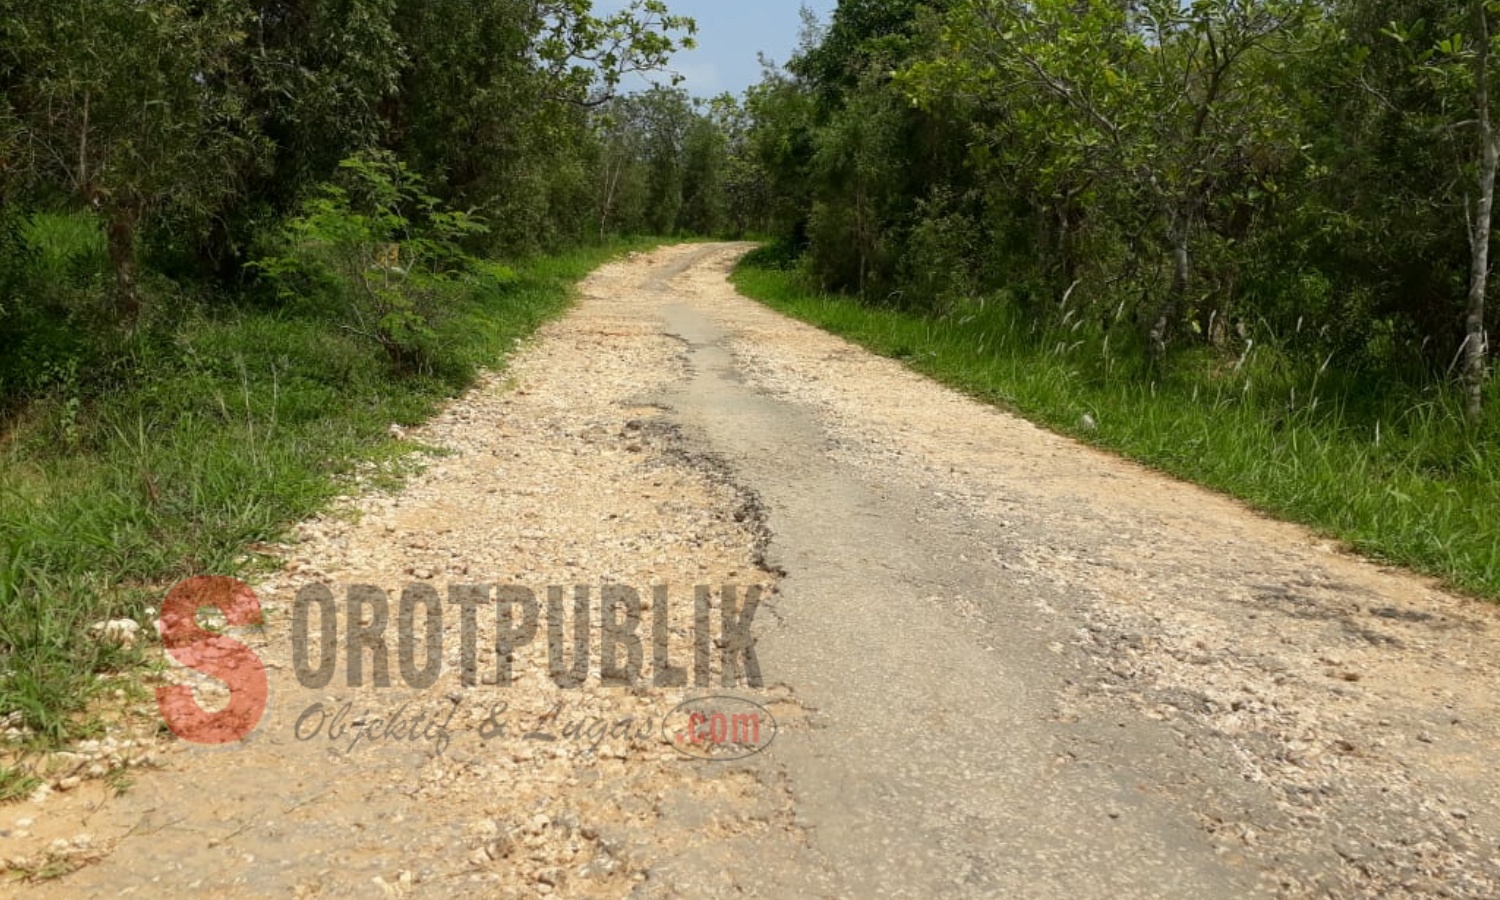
{"type": "Point", "coordinates": [241, 239]}
{"type": "Point", "coordinates": [1245, 241]}
{"type": "Point", "coordinates": [209, 439]}
{"type": "Point", "coordinates": [1400, 475]}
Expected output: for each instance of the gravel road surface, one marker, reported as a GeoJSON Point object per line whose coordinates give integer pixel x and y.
{"type": "Point", "coordinates": [999, 663]}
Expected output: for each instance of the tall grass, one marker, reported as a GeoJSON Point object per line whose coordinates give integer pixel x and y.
{"type": "Point", "coordinates": [219, 428]}
{"type": "Point", "coordinates": [1395, 471]}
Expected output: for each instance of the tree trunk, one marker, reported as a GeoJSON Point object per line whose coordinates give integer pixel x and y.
{"type": "Point", "coordinates": [1065, 244]}
{"type": "Point", "coordinates": [611, 182]}
{"type": "Point", "coordinates": [1476, 343]}
{"type": "Point", "coordinates": [859, 239]}
{"type": "Point", "coordinates": [120, 232]}
{"type": "Point", "coordinates": [1055, 237]}
{"type": "Point", "coordinates": [1182, 273]}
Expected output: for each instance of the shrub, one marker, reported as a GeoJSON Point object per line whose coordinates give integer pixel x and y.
{"type": "Point", "coordinates": [381, 253]}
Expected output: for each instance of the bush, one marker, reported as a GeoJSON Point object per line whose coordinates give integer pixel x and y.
{"type": "Point", "coordinates": [50, 270]}
{"type": "Point", "coordinates": [382, 256]}
{"type": "Point", "coordinates": [937, 267]}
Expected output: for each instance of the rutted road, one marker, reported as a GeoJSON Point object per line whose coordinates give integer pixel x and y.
{"type": "Point", "coordinates": [1004, 664]}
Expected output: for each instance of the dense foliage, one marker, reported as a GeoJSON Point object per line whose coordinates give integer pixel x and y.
{"type": "Point", "coordinates": [192, 134]}
{"type": "Point", "coordinates": [1303, 183]}
{"type": "Point", "coordinates": [241, 238]}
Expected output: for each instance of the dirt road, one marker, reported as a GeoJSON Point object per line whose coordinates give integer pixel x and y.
{"type": "Point", "coordinates": [1001, 664]}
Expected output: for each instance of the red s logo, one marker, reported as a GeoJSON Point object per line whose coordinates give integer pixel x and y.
{"type": "Point", "coordinates": [216, 656]}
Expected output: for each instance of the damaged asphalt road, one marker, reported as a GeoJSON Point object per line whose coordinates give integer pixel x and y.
{"type": "Point", "coordinates": [1001, 664]}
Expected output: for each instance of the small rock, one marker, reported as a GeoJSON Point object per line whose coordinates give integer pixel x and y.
{"type": "Point", "coordinates": [1426, 737]}
{"type": "Point", "coordinates": [120, 632]}
{"type": "Point", "coordinates": [499, 848]}
{"type": "Point", "coordinates": [1348, 850]}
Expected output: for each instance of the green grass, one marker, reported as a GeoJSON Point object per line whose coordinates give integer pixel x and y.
{"type": "Point", "coordinates": [1393, 471]}
{"type": "Point", "coordinates": [16, 784]}
{"type": "Point", "coordinates": [220, 429]}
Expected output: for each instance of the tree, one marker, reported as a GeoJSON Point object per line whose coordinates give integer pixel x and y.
{"type": "Point", "coordinates": [587, 57]}
{"type": "Point", "coordinates": [1481, 212]}
{"type": "Point", "coordinates": [127, 106]}
{"type": "Point", "coordinates": [847, 160]}
{"type": "Point", "coordinates": [704, 160]}
{"type": "Point", "coordinates": [1457, 68]}
{"type": "Point", "coordinates": [1457, 65]}
{"type": "Point", "coordinates": [747, 195]}
{"type": "Point", "coordinates": [622, 137]}
{"type": "Point", "coordinates": [494, 104]}
{"type": "Point", "coordinates": [1166, 102]}
{"type": "Point", "coordinates": [780, 145]}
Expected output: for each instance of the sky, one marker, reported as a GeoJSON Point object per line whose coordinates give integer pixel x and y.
{"type": "Point", "coordinates": [731, 35]}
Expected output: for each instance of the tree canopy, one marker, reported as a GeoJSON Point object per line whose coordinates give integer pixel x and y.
{"type": "Point", "coordinates": [1319, 173]}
